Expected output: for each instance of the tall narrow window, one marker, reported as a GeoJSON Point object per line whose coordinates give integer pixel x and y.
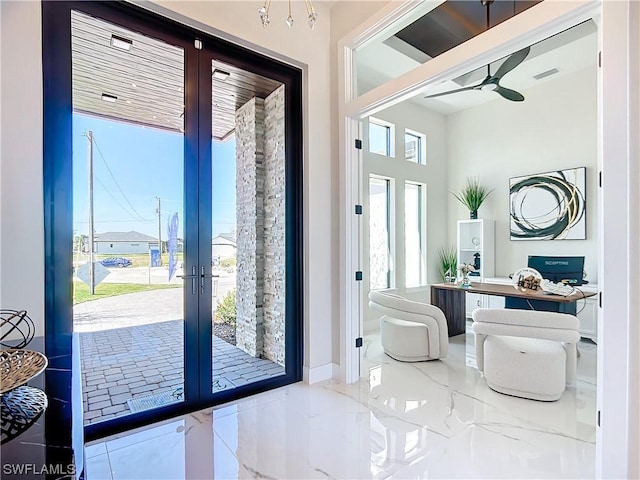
{"type": "Point", "coordinates": [414, 234]}
{"type": "Point", "coordinates": [381, 134]}
{"type": "Point", "coordinates": [379, 232]}
{"type": "Point", "coordinates": [414, 147]}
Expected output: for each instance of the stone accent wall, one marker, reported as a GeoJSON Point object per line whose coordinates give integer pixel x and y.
{"type": "Point", "coordinates": [274, 227]}
{"type": "Point", "coordinates": [260, 209]}
{"type": "Point", "coordinates": [250, 226]}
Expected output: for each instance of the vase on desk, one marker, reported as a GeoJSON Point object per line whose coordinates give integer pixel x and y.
{"type": "Point", "coordinates": [465, 283]}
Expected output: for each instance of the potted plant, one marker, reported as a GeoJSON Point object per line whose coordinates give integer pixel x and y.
{"type": "Point", "coordinates": [472, 195]}
{"type": "Point", "coordinates": [448, 264]}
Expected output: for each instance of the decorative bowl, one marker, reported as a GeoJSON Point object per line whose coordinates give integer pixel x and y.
{"type": "Point", "coordinates": [18, 366]}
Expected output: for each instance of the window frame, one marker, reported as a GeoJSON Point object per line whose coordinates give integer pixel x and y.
{"type": "Point", "coordinates": [390, 136]}
{"type": "Point", "coordinates": [421, 151]}
{"type": "Point", "coordinates": [422, 232]}
{"type": "Point", "coordinates": [390, 221]}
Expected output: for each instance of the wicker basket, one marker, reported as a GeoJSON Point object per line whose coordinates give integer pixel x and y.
{"type": "Point", "coordinates": [17, 367]}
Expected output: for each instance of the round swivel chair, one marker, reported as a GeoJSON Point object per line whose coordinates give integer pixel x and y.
{"type": "Point", "coordinates": [410, 331]}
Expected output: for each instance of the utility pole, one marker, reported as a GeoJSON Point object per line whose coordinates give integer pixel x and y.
{"type": "Point", "coordinates": [92, 271]}
{"type": "Point", "coordinates": [159, 229]}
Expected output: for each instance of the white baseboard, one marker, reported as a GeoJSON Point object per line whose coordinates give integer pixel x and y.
{"type": "Point", "coordinates": [318, 374]}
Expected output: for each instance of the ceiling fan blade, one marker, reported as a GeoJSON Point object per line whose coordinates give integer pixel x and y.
{"type": "Point", "coordinates": [453, 91]}
{"type": "Point", "coordinates": [509, 94]}
{"type": "Point", "coordinates": [512, 62]}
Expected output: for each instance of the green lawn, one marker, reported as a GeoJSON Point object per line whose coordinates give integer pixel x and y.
{"type": "Point", "coordinates": [81, 290]}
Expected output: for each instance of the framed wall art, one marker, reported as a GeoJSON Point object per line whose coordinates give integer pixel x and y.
{"type": "Point", "coordinates": [549, 206]}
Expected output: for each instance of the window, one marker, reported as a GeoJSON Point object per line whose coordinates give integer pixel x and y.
{"type": "Point", "coordinates": [415, 234]}
{"type": "Point", "coordinates": [381, 134]}
{"type": "Point", "coordinates": [379, 232]}
{"type": "Point", "coordinates": [414, 147]}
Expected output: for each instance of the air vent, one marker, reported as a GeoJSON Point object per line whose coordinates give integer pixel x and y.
{"type": "Point", "coordinates": [540, 76]}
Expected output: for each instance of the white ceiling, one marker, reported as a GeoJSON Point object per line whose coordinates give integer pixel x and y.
{"type": "Point", "coordinates": [568, 52]}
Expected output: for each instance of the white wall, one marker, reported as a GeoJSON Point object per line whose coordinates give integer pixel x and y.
{"type": "Point", "coordinates": [634, 340]}
{"type": "Point", "coordinates": [409, 116]}
{"type": "Point", "coordinates": [21, 209]}
{"type": "Point", "coordinates": [554, 128]}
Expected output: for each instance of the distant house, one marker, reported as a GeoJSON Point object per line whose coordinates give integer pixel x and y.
{"type": "Point", "coordinates": [122, 243]}
{"type": "Point", "coordinates": [223, 246]}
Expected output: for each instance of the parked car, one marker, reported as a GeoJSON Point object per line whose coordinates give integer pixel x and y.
{"type": "Point", "coordinates": [119, 262]}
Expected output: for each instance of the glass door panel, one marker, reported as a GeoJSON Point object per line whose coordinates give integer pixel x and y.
{"type": "Point", "coordinates": [128, 218]}
{"type": "Point", "coordinates": [248, 227]}
{"type": "Point", "coordinates": [175, 233]}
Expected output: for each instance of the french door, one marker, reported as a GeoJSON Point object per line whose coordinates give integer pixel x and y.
{"type": "Point", "coordinates": [173, 213]}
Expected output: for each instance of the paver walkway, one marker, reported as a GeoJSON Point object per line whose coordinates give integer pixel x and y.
{"type": "Point", "coordinates": [145, 357]}
{"type": "Point", "coordinates": [125, 363]}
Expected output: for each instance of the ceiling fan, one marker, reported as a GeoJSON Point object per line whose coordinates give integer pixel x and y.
{"type": "Point", "coordinates": [492, 82]}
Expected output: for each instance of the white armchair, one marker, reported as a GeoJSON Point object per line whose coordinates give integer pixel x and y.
{"type": "Point", "coordinates": [526, 353]}
{"type": "Point", "coordinates": [410, 331]}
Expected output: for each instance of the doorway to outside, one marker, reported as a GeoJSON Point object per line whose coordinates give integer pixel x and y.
{"type": "Point", "coordinates": [180, 214]}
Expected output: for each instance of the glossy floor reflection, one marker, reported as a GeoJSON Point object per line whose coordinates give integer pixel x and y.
{"type": "Point", "coordinates": [420, 420]}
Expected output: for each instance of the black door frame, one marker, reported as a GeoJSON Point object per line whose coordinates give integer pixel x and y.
{"type": "Point", "coordinates": [58, 201]}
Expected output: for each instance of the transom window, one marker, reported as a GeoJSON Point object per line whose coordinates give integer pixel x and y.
{"type": "Point", "coordinates": [381, 135]}
{"type": "Point", "coordinates": [414, 147]}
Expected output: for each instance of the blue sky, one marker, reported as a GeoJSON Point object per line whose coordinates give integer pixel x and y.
{"type": "Point", "coordinates": [146, 163]}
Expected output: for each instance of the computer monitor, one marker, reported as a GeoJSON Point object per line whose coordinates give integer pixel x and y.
{"type": "Point", "coordinates": [568, 270]}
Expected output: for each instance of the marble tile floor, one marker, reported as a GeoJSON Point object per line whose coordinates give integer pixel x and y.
{"type": "Point", "coordinates": [420, 420]}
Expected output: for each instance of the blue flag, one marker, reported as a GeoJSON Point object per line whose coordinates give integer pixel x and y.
{"type": "Point", "coordinates": [172, 229]}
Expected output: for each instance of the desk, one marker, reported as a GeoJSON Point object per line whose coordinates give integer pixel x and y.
{"type": "Point", "coordinates": [450, 298]}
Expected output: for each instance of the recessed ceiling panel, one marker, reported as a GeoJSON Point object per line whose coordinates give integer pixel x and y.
{"type": "Point", "coordinates": [425, 33]}
{"type": "Point", "coordinates": [126, 76]}
{"type": "Point", "coordinates": [232, 91]}
{"type": "Point", "coordinates": [456, 21]}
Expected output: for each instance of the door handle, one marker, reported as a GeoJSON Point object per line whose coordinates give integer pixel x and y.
{"type": "Point", "coordinates": [203, 275]}
{"type": "Point", "coordinates": [193, 277]}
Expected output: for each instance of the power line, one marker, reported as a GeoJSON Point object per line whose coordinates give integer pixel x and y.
{"type": "Point", "coordinates": [116, 182]}
{"type": "Point", "coordinates": [117, 202]}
